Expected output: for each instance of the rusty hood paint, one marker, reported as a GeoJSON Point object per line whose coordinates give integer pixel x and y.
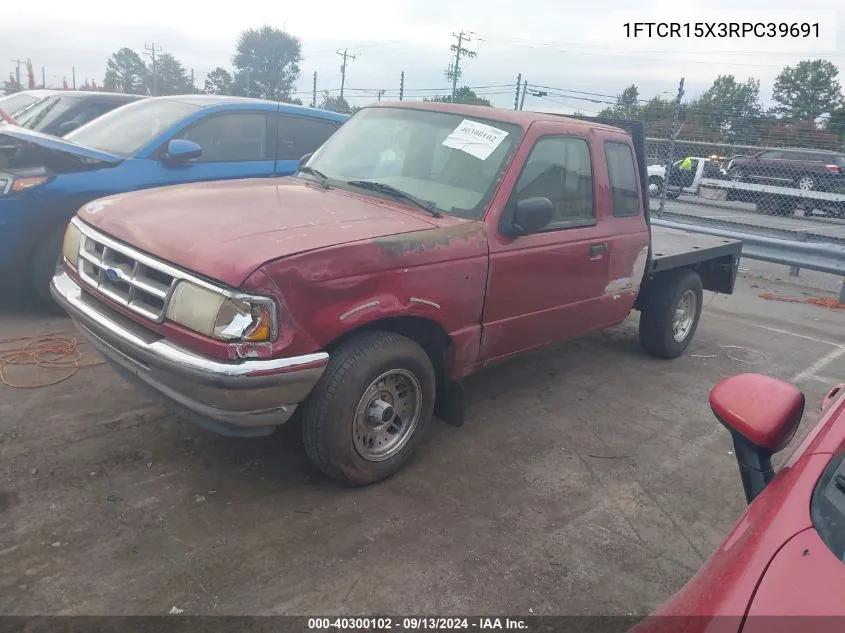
{"type": "Point", "coordinates": [226, 230]}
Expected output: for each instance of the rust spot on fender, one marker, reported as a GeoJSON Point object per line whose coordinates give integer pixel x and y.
{"type": "Point", "coordinates": [440, 237]}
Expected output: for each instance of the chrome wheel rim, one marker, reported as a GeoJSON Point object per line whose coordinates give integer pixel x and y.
{"type": "Point", "coordinates": [735, 175]}
{"type": "Point", "coordinates": [806, 183]}
{"type": "Point", "coordinates": [387, 415]}
{"type": "Point", "coordinates": [653, 189]}
{"type": "Point", "coordinates": [684, 316]}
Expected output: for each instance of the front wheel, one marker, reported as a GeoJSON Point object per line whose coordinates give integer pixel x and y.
{"type": "Point", "coordinates": [371, 408]}
{"type": "Point", "coordinates": [670, 313]}
{"type": "Point", "coordinates": [807, 182]}
{"type": "Point", "coordinates": [655, 186]}
{"type": "Point", "coordinates": [45, 261]}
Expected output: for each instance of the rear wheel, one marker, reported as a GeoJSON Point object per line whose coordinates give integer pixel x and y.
{"type": "Point", "coordinates": [371, 408]}
{"type": "Point", "coordinates": [670, 313]}
{"type": "Point", "coordinates": [807, 182]}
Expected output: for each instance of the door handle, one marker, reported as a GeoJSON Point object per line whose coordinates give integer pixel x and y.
{"type": "Point", "coordinates": [597, 249]}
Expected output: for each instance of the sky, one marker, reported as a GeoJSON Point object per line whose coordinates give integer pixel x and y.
{"type": "Point", "coordinates": [570, 48]}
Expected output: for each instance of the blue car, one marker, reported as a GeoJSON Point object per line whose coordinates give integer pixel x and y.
{"type": "Point", "coordinates": [153, 142]}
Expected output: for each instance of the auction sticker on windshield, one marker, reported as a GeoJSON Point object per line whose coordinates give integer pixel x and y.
{"type": "Point", "coordinates": [474, 138]}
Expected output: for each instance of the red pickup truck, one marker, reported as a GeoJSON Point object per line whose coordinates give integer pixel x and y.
{"type": "Point", "coordinates": [421, 243]}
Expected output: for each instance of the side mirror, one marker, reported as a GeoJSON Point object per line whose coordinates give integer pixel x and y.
{"type": "Point", "coordinates": [304, 160]}
{"type": "Point", "coordinates": [762, 413]}
{"type": "Point", "coordinates": [181, 150]}
{"type": "Point", "coordinates": [530, 216]}
{"type": "Point", "coordinates": [68, 126]}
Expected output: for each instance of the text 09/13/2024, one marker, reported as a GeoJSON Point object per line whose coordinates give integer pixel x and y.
{"type": "Point", "coordinates": [721, 29]}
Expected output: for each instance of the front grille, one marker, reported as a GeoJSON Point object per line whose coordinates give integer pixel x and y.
{"type": "Point", "coordinates": [118, 274]}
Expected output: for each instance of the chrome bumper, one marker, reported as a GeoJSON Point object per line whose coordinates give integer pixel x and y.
{"type": "Point", "coordinates": [246, 398]}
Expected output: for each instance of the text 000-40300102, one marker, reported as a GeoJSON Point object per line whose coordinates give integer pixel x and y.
{"type": "Point", "coordinates": [722, 29]}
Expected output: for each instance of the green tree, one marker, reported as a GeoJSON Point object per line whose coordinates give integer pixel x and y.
{"type": "Point", "coordinates": [808, 90]}
{"type": "Point", "coordinates": [335, 104]}
{"type": "Point", "coordinates": [464, 95]}
{"type": "Point", "coordinates": [627, 105]}
{"type": "Point", "coordinates": [126, 72]}
{"type": "Point", "coordinates": [730, 107]}
{"type": "Point", "coordinates": [836, 122]}
{"type": "Point", "coordinates": [266, 63]}
{"type": "Point", "coordinates": [657, 109]}
{"type": "Point", "coordinates": [218, 82]}
{"type": "Point", "coordinates": [171, 77]}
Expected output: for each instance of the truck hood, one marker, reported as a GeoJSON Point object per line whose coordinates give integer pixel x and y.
{"type": "Point", "coordinates": [226, 230]}
{"type": "Point", "coordinates": [12, 136]}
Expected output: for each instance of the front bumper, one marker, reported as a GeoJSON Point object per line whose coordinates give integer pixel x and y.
{"type": "Point", "coordinates": [247, 398]}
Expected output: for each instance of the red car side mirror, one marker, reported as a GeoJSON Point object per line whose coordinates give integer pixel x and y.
{"type": "Point", "coordinates": [762, 413]}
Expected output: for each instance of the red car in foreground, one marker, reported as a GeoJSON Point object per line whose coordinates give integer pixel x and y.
{"type": "Point", "coordinates": [784, 557]}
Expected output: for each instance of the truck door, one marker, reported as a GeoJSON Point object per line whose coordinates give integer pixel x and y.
{"type": "Point", "coordinates": [546, 286]}
{"type": "Point", "coordinates": [628, 243]}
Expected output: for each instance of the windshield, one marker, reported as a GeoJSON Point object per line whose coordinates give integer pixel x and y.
{"type": "Point", "coordinates": [16, 102]}
{"type": "Point", "coordinates": [127, 129]}
{"type": "Point", "coordinates": [46, 112]}
{"type": "Point", "coordinates": [452, 161]}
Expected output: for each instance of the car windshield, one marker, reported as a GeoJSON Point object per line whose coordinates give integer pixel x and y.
{"type": "Point", "coordinates": [450, 161]}
{"type": "Point", "coordinates": [16, 102]}
{"type": "Point", "coordinates": [43, 114]}
{"type": "Point", "coordinates": [126, 129]}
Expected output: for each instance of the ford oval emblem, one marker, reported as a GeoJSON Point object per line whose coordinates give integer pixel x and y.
{"type": "Point", "coordinates": [112, 274]}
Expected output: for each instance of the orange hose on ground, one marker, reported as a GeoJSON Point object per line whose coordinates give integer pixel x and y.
{"type": "Point", "coordinates": [819, 301]}
{"type": "Point", "coordinates": [55, 351]}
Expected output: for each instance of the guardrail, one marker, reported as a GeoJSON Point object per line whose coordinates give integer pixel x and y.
{"type": "Point", "coordinates": [826, 258]}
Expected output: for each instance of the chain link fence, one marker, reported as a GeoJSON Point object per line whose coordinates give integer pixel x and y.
{"type": "Point", "coordinates": [715, 170]}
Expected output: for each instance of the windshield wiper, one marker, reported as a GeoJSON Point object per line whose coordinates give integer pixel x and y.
{"type": "Point", "coordinates": [390, 190]}
{"type": "Point", "coordinates": [323, 179]}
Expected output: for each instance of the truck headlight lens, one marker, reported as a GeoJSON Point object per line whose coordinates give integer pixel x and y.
{"type": "Point", "coordinates": [218, 316]}
{"type": "Point", "coordinates": [22, 184]}
{"type": "Point", "coordinates": [70, 247]}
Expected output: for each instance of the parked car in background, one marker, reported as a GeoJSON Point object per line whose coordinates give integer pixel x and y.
{"type": "Point", "coordinates": [150, 143]}
{"type": "Point", "coordinates": [16, 102]}
{"type": "Point", "coordinates": [805, 169]}
{"type": "Point", "coordinates": [61, 113]}
{"type": "Point", "coordinates": [786, 554]}
{"type": "Point", "coordinates": [682, 181]}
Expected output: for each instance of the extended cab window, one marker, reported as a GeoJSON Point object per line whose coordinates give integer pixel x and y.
{"type": "Point", "coordinates": [298, 136]}
{"type": "Point", "coordinates": [559, 168]}
{"type": "Point", "coordinates": [623, 179]}
{"type": "Point", "coordinates": [237, 136]}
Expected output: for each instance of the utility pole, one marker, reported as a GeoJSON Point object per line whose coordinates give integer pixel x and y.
{"type": "Point", "coordinates": [18, 63]}
{"type": "Point", "coordinates": [193, 85]}
{"type": "Point", "coordinates": [73, 70]}
{"type": "Point", "coordinates": [454, 70]}
{"type": "Point", "coordinates": [380, 93]}
{"type": "Point", "coordinates": [676, 115]}
{"type": "Point", "coordinates": [524, 90]}
{"type": "Point", "coordinates": [401, 85]}
{"type": "Point", "coordinates": [345, 55]}
{"type": "Point", "coordinates": [43, 78]}
{"type": "Point", "coordinates": [518, 85]}
{"type": "Point", "coordinates": [151, 53]}
{"type": "Point", "coordinates": [314, 92]}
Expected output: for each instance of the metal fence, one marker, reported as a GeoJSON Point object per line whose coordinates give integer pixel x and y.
{"type": "Point", "coordinates": [782, 189]}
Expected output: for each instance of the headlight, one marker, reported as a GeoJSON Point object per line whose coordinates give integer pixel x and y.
{"type": "Point", "coordinates": [9, 183]}
{"type": "Point", "coordinates": [70, 247]}
{"type": "Point", "coordinates": [242, 318]}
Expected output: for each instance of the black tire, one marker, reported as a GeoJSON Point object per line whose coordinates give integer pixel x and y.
{"type": "Point", "coordinates": [658, 312]}
{"type": "Point", "coordinates": [672, 195]}
{"type": "Point", "coordinates": [328, 414]}
{"type": "Point", "coordinates": [657, 181]}
{"type": "Point", "coordinates": [46, 258]}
